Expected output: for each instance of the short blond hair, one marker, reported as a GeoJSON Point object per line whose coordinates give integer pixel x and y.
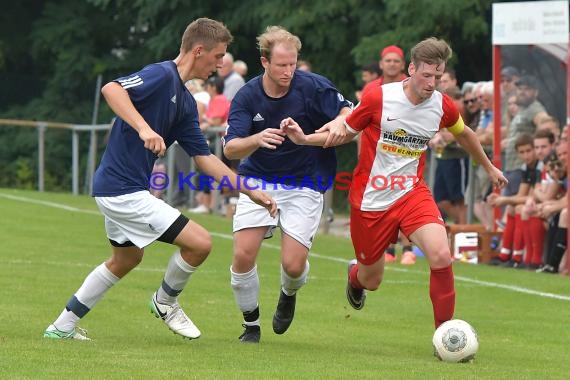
{"type": "Point", "coordinates": [207, 32]}
{"type": "Point", "coordinates": [274, 35]}
{"type": "Point", "coordinates": [432, 51]}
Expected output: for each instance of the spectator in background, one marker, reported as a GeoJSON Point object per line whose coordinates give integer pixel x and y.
{"type": "Point", "coordinates": [304, 66]}
{"type": "Point", "coordinates": [531, 168]}
{"type": "Point", "coordinates": [484, 132]}
{"type": "Point", "coordinates": [548, 188]}
{"type": "Point", "coordinates": [552, 124]}
{"type": "Point", "coordinates": [448, 79]}
{"type": "Point", "coordinates": [216, 116]}
{"type": "Point", "coordinates": [368, 73]}
{"type": "Point", "coordinates": [525, 120]}
{"type": "Point", "coordinates": [196, 88]}
{"type": "Point", "coordinates": [531, 111]}
{"type": "Point", "coordinates": [551, 210]}
{"type": "Point", "coordinates": [509, 77]}
{"type": "Point", "coordinates": [471, 105]}
{"type": "Point", "coordinates": [240, 67]}
{"type": "Point", "coordinates": [555, 211]}
{"type": "Point", "coordinates": [452, 168]}
{"type": "Point", "coordinates": [392, 64]}
{"type": "Point", "coordinates": [232, 80]}
{"type": "Point", "coordinates": [219, 107]}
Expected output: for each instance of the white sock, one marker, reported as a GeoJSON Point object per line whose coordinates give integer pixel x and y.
{"type": "Point", "coordinates": [91, 291]}
{"type": "Point", "coordinates": [175, 279]}
{"type": "Point", "coordinates": [290, 285]}
{"type": "Point", "coordinates": [246, 289]}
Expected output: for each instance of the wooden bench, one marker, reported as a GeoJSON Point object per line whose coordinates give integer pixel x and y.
{"type": "Point", "coordinates": [484, 253]}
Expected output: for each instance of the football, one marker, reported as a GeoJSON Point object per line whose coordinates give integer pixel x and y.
{"type": "Point", "coordinates": [455, 341]}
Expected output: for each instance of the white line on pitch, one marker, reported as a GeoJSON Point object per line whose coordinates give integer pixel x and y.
{"type": "Point", "coordinates": [513, 288]}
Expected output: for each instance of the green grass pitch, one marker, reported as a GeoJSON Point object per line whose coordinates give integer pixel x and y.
{"type": "Point", "coordinates": [50, 242]}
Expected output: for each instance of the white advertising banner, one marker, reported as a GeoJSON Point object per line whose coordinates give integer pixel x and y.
{"type": "Point", "coordinates": [530, 23]}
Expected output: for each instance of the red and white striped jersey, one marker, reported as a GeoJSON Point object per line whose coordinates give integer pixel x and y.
{"type": "Point", "coordinates": [395, 134]}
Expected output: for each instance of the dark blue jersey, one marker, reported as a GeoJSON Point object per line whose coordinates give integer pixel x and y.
{"type": "Point", "coordinates": [312, 101]}
{"type": "Point", "coordinates": [159, 95]}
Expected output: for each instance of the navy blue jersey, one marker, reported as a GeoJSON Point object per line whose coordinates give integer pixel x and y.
{"type": "Point", "coordinates": [531, 175]}
{"type": "Point", "coordinates": [312, 101]}
{"type": "Point", "coordinates": [159, 95]}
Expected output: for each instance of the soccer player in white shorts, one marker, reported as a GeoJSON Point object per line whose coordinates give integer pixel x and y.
{"type": "Point", "coordinates": [154, 109]}
{"type": "Point", "coordinates": [297, 172]}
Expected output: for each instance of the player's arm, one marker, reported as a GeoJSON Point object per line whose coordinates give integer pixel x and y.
{"type": "Point", "coordinates": [519, 198]}
{"type": "Point", "coordinates": [337, 131]}
{"type": "Point", "coordinates": [296, 134]}
{"type": "Point", "coordinates": [120, 102]}
{"type": "Point", "coordinates": [551, 207]}
{"type": "Point", "coordinates": [470, 142]}
{"type": "Point", "coordinates": [241, 147]}
{"type": "Point", "coordinates": [544, 193]}
{"type": "Point", "coordinates": [213, 166]}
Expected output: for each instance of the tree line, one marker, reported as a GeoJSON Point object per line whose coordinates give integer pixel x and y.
{"type": "Point", "coordinates": [51, 53]}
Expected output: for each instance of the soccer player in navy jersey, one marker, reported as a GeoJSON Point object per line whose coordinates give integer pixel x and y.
{"type": "Point", "coordinates": [154, 109]}
{"type": "Point", "coordinates": [397, 120]}
{"type": "Point", "coordinates": [295, 176]}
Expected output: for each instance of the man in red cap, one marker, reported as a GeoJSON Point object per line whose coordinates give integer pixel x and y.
{"type": "Point", "coordinates": [392, 64]}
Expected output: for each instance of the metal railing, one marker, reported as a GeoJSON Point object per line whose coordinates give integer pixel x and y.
{"type": "Point", "coordinates": [75, 129]}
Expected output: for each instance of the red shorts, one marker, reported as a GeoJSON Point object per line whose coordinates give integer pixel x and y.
{"type": "Point", "coordinates": [373, 231]}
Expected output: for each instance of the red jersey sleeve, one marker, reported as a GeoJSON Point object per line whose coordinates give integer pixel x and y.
{"type": "Point", "coordinates": [368, 111]}
{"type": "Point", "coordinates": [451, 118]}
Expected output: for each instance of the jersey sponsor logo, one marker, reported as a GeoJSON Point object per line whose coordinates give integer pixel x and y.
{"type": "Point", "coordinates": [173, 99]}
{"type": "Point", "coordinates": [131, 82]}
{"type": "Point", "coordinates": [400, 151]}
{"type": "Point", "coordinates": [403, 139]}
{"type": "Point", "coordinates": [392, 118]}
{"type": "Point", "coordinates": [258, 117]}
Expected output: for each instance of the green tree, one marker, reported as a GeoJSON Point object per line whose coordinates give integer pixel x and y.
{"type": "Point", "coordinates": [51, 52]}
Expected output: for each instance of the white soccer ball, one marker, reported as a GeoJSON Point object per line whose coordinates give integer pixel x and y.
{"type": "Point", "coordinates": [455, 341]}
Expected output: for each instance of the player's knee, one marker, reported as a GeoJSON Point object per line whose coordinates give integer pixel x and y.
{"type": "Point", "coordinates": [201, 246]}
{"type": "Point", "coordinates": [441, 258]}
{"type": "Point", "coordinates": [124, 263]}
{"type": "Point", "coordinates": [204, 245]}
{"type": "Point", "coordinates": [244, 257]}
{"type": "Point", "coordinates": [294, 269]}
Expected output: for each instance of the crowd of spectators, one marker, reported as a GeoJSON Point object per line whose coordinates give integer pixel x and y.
{"type": "Point", "coordinates": [533, 207]}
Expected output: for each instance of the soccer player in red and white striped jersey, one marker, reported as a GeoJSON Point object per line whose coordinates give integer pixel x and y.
{"type": "Point", "coordinates": [388, 192]}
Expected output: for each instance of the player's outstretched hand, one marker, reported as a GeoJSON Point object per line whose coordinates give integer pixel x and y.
{"type": "Point", "coordinates": [265, 200]}
{"type": "Point", "coordinates": [270, 138]}
{"type": "Point", "coordinates": [497, 178]}
{"type": "Point", "coordinates": [153, 141]}
{"type": "Point", "coordinates": [337, 132]}
{"type": "Point", "coordinates": [293, 131]}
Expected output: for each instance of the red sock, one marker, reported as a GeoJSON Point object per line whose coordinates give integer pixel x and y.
{"type": "Point", "coordinates": [518, 238]}
{"type": "Point", "coordinates": [442, 294]}
{"type": "Point", "coordinates": [353, 278]}
{"type": "Point", "coordinates": [527, 240]}
{"type": "Point", "coordinates": [509, 232]}
{"type": "Point", "coordinates": [537, 237]}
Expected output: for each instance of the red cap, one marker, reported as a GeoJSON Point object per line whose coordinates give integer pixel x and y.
{"type": "Point", "coordinates": [392, 49]}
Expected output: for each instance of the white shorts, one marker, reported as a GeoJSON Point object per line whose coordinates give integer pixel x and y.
{"type": "Point", "coordinates": [299, 213]}
{"type": "Point", "coordinates": [137, 217]}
